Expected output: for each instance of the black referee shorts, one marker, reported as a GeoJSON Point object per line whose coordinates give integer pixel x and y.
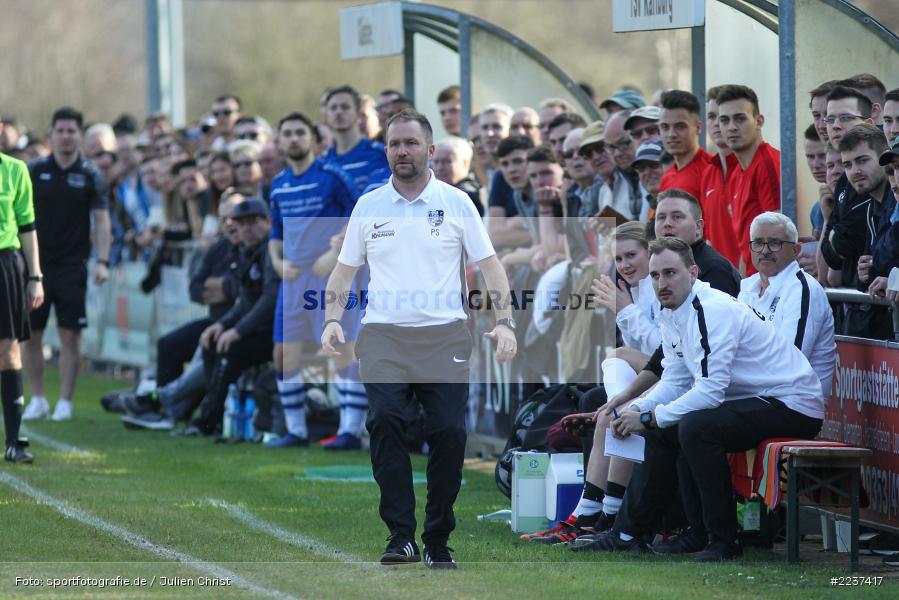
{"type": "Point", "coordinates": [13, 310]}
{"type": "Point", "coordinates": [65, 287]}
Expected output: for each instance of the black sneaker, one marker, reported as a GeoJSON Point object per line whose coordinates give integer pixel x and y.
{"type": "Point", "coordinates": [609, 541]}
{"type": "Point", "coordinates": [719, 552]}
{"type": "Point", "coordinates": [439, 557]}
{"type": "Point", "coordinates": [400, 551]}
{"type": "Point", "coordinates": [18, 454]}
{"type": "Point", "coordinates": [138, 404]}
{"type": "Point", "coordinates": [689, 541]}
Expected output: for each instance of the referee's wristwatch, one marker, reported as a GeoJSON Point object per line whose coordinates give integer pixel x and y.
{"type": "Point", "coordinates": [646, 419]}
{"type": "Point", "coordinates": [508, 322]}
{"type": "Point", "coordinates": [37, 278]}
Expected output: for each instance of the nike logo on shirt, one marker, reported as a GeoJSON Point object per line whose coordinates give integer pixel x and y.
{"type": "Point", "coordinates": [381, 225]}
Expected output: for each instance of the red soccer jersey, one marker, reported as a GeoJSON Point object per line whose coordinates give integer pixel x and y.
{"type": "Point", "coordinates": [689, 178]}
{"type": "Point", "coordinates": [756, 190]}
{"type": "Point", "coordinates": [717, 194]}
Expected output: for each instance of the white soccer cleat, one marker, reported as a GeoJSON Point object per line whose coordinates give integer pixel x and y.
{"type": "Point", "coordinates": [63, 411]}
{"type": "Point", "coordinates": [38, 408]}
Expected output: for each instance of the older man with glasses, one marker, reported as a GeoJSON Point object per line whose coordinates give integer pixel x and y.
{"type": "Point", "coordinates": [787, 297]}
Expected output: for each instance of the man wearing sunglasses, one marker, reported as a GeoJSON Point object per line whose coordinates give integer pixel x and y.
{"type": "Point", "coordinates": [225, 111]}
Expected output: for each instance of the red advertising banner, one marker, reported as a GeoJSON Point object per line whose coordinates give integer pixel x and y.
{"type": "Point", "coordinates": [864, 411]}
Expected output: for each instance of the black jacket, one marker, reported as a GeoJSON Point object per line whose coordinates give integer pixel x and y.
{"type": "Point", "coordinates": [254, 311]}
{"type": "Point", "coordinates": [221, 260]}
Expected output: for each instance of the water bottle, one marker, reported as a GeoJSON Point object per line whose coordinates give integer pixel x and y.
{"type": "Point", "coordinates": [249, 411]}
{"type": "Point", "coordinates": [231, 411]}
{"type": "Point", "coordinates": [500, 516]}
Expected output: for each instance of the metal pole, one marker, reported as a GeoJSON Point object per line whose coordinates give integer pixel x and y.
{"type": "Point", "coordinates": [151, 28]}
{"type": "Point", "coordinates": [697, 73]}
{"type": "Point", "coordinates": [465, 73]}
{"type": "Point", "coordinates": [787, 39]}
{"type": "Point", "coordinates": [409, 64]}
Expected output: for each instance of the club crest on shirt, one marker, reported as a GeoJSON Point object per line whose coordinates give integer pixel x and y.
{"type": "Point", "coordinates": [435, 218]}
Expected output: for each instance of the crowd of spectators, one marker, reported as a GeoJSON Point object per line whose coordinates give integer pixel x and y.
{"type": "Point", "coordinates": [548, 180]}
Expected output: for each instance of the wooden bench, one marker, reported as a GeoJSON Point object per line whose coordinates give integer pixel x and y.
{"type": "Point", "coordinates": [822, 469]}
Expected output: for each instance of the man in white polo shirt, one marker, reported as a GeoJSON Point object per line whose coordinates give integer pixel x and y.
{"type": "Point", "coordinates": [416, 233]}
{"type": "Point", "coordinates": [786, 296]}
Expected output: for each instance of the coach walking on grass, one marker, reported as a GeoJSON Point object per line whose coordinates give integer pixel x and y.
{"type": "Point", "coordinates": [416, 232]}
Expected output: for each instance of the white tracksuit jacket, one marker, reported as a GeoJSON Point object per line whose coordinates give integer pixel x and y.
{"type": "Point", "coordinates": [717, 349]}
{"type": "Point", "coordinates": [796, 304]}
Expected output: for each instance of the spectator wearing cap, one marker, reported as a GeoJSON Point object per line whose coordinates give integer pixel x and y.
{"type": "Point", "coordinates": [627, 196]}
{"type": "Point", "coordinates": [98, 138]}
{"type": "Point", "coordinates": [449, 104]}
{"type": "Point", "coordinates": [717, 185]}
{"type": "Point", "coordinates": [643, 124]}
{"type": "Point", "coordinates": [559, 128]}
{"type": "Point", "coordinates": [578, 200]}
{"type": "Point", "coordinates": [525, 121]}
{"type": "Point", "coordinates": [384, 106]}
{"type": "Point", "coordinates": [648, 167]}
{"type": "Point", "coordinates": [242, 337]}
{"type": "Point", "coordinates": [452, 165]}
{"type": "Point", "coordinates": [593, 149]}
{"type": "Point", "coordinates": [548, 110]}
{"type": "Point", "coordinates": [757, 187]}
{"type": "Point", "coordinates": [679, 126]}
{"type": "Point", "coordinates": [622, 99]}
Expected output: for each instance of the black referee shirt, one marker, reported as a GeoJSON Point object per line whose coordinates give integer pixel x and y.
{"type": "Point", "coordinates": [63, 201]}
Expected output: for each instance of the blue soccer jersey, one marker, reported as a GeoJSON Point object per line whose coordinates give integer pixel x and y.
{"type": "Point", "coordinates": [366, 163]}
{"type": "Point", "coordinates": [308, 209]}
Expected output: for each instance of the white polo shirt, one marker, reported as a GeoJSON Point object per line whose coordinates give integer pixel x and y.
{"type": "Point", "coordinates": [415, 252]}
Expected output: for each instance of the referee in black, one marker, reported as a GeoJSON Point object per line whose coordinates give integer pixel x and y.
{"type": "Point", "coordinates": [416, 234]}
{"type": "Point", "coordinates": [69, 192]}
{"type": "Point", "coordinates": [17, 239]}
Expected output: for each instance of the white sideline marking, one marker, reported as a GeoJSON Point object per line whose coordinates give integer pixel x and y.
{"type": "Point", "coordinates": [137, 540]}
{"type": "Point", "coordinates": [55, 444]}
{"type": "Point", "coordinates": [290, 537]}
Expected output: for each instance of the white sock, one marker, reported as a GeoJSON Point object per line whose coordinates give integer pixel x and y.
{"type": "Point", "coordinates": [293, 401]}
{"type": "Point", "coordinates": [611, 505]}
{"type": "Point", "coordinates": [587, 507]}
{"type": "Point", "coordinates": [39, 399]}
{"type": "Point", "coordinates": [616, 375]}
{"type": "Point", "coordinates": [63, 401]}
{"type": "Point", "coordinates": [353, 401]}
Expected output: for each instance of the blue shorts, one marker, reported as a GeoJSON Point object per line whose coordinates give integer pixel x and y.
{"type": "Point", "coordinates": [300, 312]}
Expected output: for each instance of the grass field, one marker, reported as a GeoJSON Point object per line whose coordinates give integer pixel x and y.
{"type": "Point", "coordinates": [107, 502]}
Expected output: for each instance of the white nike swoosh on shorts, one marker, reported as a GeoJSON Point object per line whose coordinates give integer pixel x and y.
{"type": "Point", "coordinates": [458, 360]}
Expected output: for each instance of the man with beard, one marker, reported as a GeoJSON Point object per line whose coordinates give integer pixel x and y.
{"type": "Point", "coordinates": [415, 232]}
{"type": "Point", "coordinates": [310, 201]}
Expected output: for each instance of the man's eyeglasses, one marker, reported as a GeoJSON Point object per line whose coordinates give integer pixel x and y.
{"type": "Point", "coordinates": [843, 118]}
{"type": "Point", "coordinates": [567, 155]}
{"type": "Point", "coordinates": [639, 132]}
{"type": "Point", "coordinates": [225, 112]}
{"type": "Point", "coordinates": [774, 245]}
{"type": "Point", "coordinates": [248, 135]}
{"type": "Point", "coordinates": [245, 163]}
{"type": "Point", "coordinates": [593, 149]}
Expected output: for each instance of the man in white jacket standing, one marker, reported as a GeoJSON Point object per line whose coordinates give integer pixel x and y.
{"type": "Point", "coordinates": [730, 381]}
